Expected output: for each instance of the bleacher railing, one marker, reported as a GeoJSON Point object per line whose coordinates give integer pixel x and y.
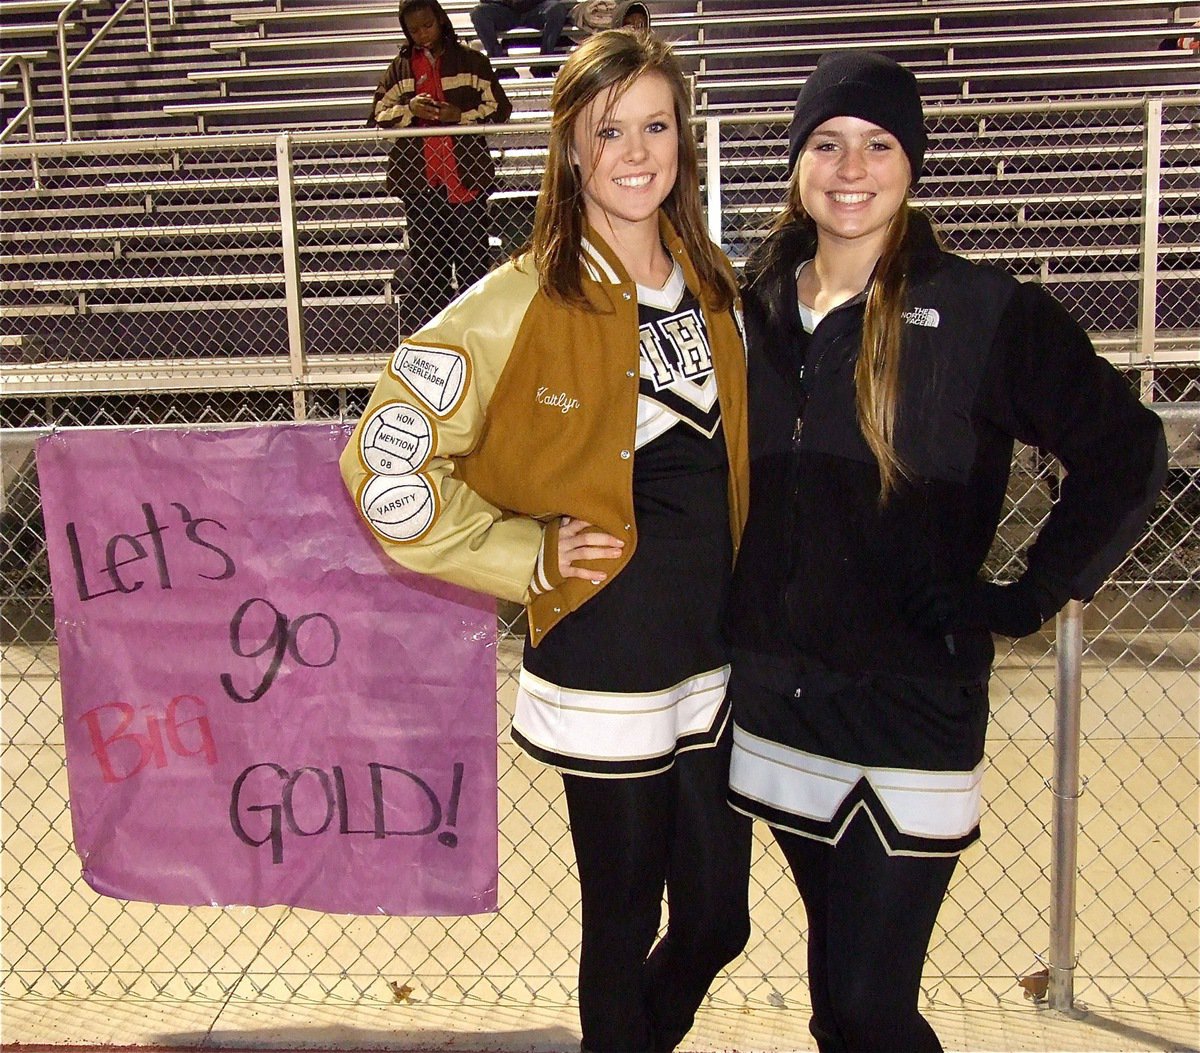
{"type": "Point", "coordinates": [114, 249]}
{"type": "Point", "coordinates": [25, 114]}
{"type": "Point", "coordinates": [68, 65]}
{"type": "Point", "coordinates": [149, 283]}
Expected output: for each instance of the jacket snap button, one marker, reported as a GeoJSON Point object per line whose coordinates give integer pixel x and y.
{"type": "Point", "coordinates": [628, 296]}
{"type": "Point", "coordinates": [625, 455]}
{"type": "Point", "coordinates": [558, 610]}
{"type": "Point", "coordinates": [628, 526]}
{"type": "Point", "coordinates": [630, 373]}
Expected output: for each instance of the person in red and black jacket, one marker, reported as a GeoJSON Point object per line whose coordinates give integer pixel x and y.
{"type": "Point", "coordinates": [443, 181]}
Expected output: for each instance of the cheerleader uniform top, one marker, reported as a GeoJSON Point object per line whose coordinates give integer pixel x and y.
{"type": "Point", "coordinates": [638, 673]}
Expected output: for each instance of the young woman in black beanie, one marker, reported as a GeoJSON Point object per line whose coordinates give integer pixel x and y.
{"type": "Point", "coordinates": [888, 382]}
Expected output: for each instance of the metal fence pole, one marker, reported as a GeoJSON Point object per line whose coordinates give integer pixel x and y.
{"type": "Point", "coordinates": [712, 175]}
{"type": "Point", "coordinates": [148, 26]}
{"type": "Point", "coordinates": [1151, 199]}
{"type": "Point", "coordinates": [1064, 832]}
{"type": "Point", "coordinates": [64, 68]}
{"type": "Point", "coordinates": [297, 355]}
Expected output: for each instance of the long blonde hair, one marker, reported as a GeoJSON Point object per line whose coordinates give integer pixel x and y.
{"type": "Point", "coordinates": [877, 368]}
{"type": "Point", "coordinates": [615, 59]}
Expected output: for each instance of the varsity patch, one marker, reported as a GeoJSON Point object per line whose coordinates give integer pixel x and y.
{"type": "Point", "coordinates": [437, 375]}
{"type": "Point", "coordinates": [399, 508]}
{"type": "Point", "coordinates": [396, 440]}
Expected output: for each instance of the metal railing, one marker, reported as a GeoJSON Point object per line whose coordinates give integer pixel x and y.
{"type": "Point", "coordinates": [68, 65]}
{"type": "Point", "coordinates": [1097, 200]}
{"type": "Point", "coordinates": [25, 113]}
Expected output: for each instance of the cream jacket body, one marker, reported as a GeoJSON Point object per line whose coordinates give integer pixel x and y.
{"type": "Point", "coordinates": [508, 411]}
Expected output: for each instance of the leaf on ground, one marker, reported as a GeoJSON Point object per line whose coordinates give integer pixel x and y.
{"type": "Point", "coordinates": [1036, 984]}
{"type": "Point", "coordinates": [400, 992]}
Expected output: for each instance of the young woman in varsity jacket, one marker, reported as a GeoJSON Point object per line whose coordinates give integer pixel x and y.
{"type": "Point", "coordinates": [888, 382]}
{"type": "Point", "coordinates": [443, 181]}
{"type": "Point", "coordinates": [571, 433]}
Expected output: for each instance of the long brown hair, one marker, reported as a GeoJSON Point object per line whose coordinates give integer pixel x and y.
{"type": "Point", "coordinates": [615, 59]}
{"type": "Point", "coordinates": [877, 369]}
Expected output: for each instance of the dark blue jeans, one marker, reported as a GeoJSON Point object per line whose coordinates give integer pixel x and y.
{"type": "Point", "coordinates": [492, 21]}
{"type": "Point", "coordinates": [447, 247]}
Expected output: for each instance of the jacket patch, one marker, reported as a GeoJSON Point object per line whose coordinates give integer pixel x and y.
{"type": "Point", "coordinates": [436, 375]}
{"type": "Point", "coordinates": [927, 317]}
{"type": "Point", "coordinates": [559, 400]}
{"type": "Point", "coordinates": [396, 439]}
{"type": "Point", "coordinates": [398, 508]}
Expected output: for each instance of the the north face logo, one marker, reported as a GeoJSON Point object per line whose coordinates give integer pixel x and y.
{"type": "Point", "coordinates": [924, 316]}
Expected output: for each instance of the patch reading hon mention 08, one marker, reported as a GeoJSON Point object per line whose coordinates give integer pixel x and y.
{"type": "Point", "coordinates": [437, 375]}
{"type": "Point", "coordinates": [396, 439]}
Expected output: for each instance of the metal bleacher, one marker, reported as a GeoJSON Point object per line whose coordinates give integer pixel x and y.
{"type": "Point", "coordinates": [149, 247]}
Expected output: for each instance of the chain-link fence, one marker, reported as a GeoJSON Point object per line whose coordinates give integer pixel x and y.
{"type": "Point", "coordinates": [265, 278]}
{"type": "Point", "coordinates": [284, 262]}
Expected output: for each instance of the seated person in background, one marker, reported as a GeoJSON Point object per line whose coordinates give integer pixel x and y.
{"type": "Point", "coordinates": [493, 18]}
{"type": "Point", "coordinates": [443, 180]}
{"type": "Point", "coordinates": [632, 16]}
{"type": "Point", "coordinates": [593, 16]}
{"type": "Point", "coordinates": [1187, 42]}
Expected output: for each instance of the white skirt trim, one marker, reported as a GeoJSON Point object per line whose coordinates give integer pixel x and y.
{"type": "Point", "coordinates": [599, 726]}
{"type": "Point", "coordinates": [926, 804]}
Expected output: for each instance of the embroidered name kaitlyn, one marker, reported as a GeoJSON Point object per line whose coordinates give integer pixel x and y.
{"type": "Point", "coordinates": [559, 400]}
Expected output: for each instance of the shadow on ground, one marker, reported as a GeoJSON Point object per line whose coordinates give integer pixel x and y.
{"type": "Point", "coordinates": [349, 1039]}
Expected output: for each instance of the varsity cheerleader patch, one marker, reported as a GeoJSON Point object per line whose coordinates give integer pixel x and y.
{"type": "Point", "coordinates": [438, 376]}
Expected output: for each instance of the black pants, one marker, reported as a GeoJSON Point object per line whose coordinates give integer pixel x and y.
{"type": "Point", "coordinates": [447, 246]}
{"type": "Point", "coordinates": [870, 918]}
{"type": "Point", "coordinates": [632, 837]}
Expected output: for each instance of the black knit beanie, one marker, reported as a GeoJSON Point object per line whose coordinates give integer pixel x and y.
{"type": "Point", "coordinates": [866, 85]}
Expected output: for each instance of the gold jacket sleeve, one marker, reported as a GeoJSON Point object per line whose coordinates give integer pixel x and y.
{"type": "Point", "coordinates": [428, 408]}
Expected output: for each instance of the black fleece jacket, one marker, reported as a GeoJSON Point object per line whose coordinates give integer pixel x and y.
{"type": "Point", "coordinates": [824, 570]}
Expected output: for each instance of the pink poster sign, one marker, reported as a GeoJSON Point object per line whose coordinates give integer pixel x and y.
{"type": "Point", "coordinates": [260, 707]}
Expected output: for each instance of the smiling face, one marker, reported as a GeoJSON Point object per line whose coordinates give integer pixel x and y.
{"type": "Point", "coordinates": [852, 178]}
{"type": "Point", "coordinates": [627, 154]}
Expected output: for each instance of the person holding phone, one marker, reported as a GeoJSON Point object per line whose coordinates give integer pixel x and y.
{"type": "Point", "coordinates": [443, 181]}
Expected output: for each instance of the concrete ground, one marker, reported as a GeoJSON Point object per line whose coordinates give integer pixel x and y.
{"type": "Point", "coordinates": [281, 1024]}
{"type": "Point", "coordinates": [83, 970]}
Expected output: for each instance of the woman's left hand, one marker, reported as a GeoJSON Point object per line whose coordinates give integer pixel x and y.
{"type": "Point", "coordinates": [448, 113]}
{"type": "Point", "coordinates": [579, 540]}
